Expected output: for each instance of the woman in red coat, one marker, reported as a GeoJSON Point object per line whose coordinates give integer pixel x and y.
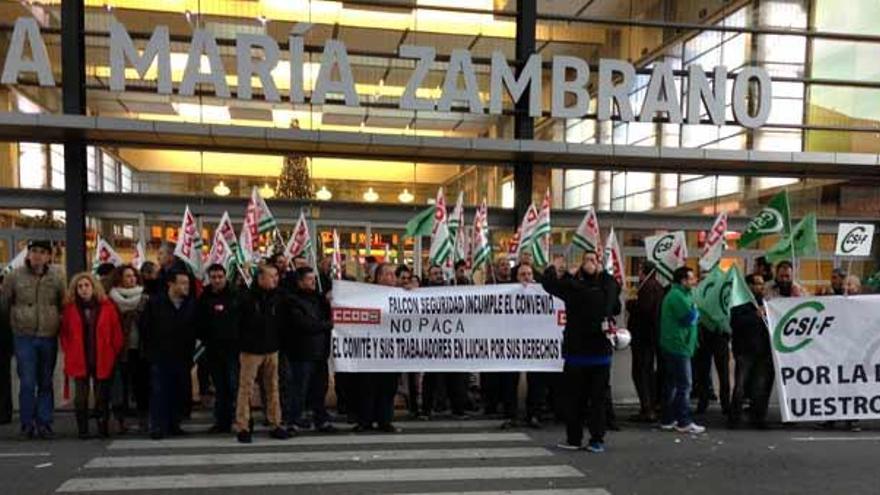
{"type": "Point", "coordinates": [91, 337]}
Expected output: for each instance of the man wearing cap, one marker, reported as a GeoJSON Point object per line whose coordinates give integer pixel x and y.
{"type": "Point", "coordinates": [32, 297]}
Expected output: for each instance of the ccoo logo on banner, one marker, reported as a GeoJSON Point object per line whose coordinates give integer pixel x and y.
{"type": "Point", "coordinates": [854, 239]}
{"type": "Point", "coordinates": [826, 352]}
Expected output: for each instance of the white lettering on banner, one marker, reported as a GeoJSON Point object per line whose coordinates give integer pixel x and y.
{"type": "Point", "coordinates": [615, 78]}
{"type": "Point", "coordinates": [827, 356]}
{"type": "Point", "coordinates": [465, 328]}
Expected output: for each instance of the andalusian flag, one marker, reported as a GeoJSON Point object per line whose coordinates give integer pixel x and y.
{"type": "Point", "coordinates": [300, 242]}
{"type": "Point", "coordinates": [526, 230]}
{"type": "Point", "coordinates": [586, 236]}
{"type": "Point", "coordinates": [714, 245]}
{"type": "Point", "coordinates": [441, 242]}
{"type": "Point", "coordinates": [613, 260]}
{"type": "Point", "coordinates": [541, 234]}
{"type": "Point", "coordinates": [775, 218]}
{"type": "Point", "coordinates": [457, 230]}
{"type": "Point", "coordinates": [189, 242]}
{"type": "Point", "coordinates": [480, 243]}
{"type": "Point", "coordinates": [420, 225]}
{"type": "Point", "coordinates": [802, 241]}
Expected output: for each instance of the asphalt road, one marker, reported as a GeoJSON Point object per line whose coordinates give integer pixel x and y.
{"type": "Point", "coordinates": [450, 457]}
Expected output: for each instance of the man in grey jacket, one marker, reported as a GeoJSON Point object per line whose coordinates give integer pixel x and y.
{"type": "Point", "coordinates": [32, 296]}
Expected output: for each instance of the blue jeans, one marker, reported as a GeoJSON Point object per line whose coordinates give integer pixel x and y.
{"type": "Point", "coordinates": [304, 391]}
{"type": "Point", "coordinates": [678, 379]}
{"type": "Point", "coordinates": [35, 358]}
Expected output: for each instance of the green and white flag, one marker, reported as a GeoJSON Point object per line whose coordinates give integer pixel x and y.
{"type": "Point", "coordinates": [717, 294]}
{"type": "Point", "coordinates": [668, 252]}
{"type": "Point", "coordinates": [541, 233]}
{"type": "Point", "coordinates": [441, 242]}
{"type": "Point", "coordinates": [221, 253]}
{"type": "Point", "coordinates": [803, 241]}
{"type": "Point", "coordinates": [16, 262]}
{"type": "Point", "coordinates": [526, 229]}
{"type": "Point", "coordinates": [586, 236]}
{"type": "Point", "coordinates": [300, 242]}
{"type": "Point", "coordinates": [613, 260]}
{"type": "Point", "coordinates": [713, 247]}
{"type": "Point", "coordinates": [189, 242]}
{"type": "Point", "coordinates": [104, 253]}
{"type": "Point", "coordinates": [775, 218]}
{"type": "Point", "coordinates": [482, 250]}
{"type": "Point", "coordinates": [457, 230]}
{"type": "Point", "coordinates": [227, 231]}
{"type": "Point", "coordinates": [265, 220]}
{"type": "Point", "coordinates": [421, 224]}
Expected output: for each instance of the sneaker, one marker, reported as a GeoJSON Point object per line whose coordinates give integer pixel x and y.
{"type": "Point", "coordinates": [568, 446]}
{"type": "Point", "coordinates": [279, 433]}
{"type": "Point", "coordinates": [178, 432]}
{"type": "Point", "coordinates": [359, 428]}
{"type": "Point", "coordinates": [692, 428]}
{"type": "Point", "coordinates": [424, 417]}
{"type": "Point", "coordinates": [596, 447]}
{"type": "Point", "coordinates": [244, 437]}
{"type": "Point", "coordinates": [533, 422]}
{"type": "Point", "coordinates": [389, 428]}
{"type": "Point", "coordinates": [667, 427]}
{"type": "Point", "coordinates": [509, 424]}
{"type": "Point", "coordinates": [326, 428]}
{"type": "Point", "coordinates": [293, 429]}
{"type": "Point", "coordinates": [461, 417]}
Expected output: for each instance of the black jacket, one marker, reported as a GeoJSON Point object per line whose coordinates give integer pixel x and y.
{"type": "Point", "coordinates": [166, 332]}
{"type": "Point", "coordinates": [263, 315]}
{"type": "Point", "coordinates": [644, 313]}
{"type": "Point", "coordinates": [749, 331]}
{"type": "Point", "coordinates": [588, 302]}
{"type": "Point", "coordinates": [308, 337]}
{"type": "Point", "coordinates": [217, 317]}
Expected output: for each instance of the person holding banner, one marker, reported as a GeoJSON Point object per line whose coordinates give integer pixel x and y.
{"type": "Point", "coordinates": [502, 386]}
{"type": "Point", "coordinates": [753, 375]}
{"type": "Point", "coordinates": [376, 391]}
{"type": "Point", "coordinates": [591, 296]}
{"type": "Point", "coordinates": [678, 341]}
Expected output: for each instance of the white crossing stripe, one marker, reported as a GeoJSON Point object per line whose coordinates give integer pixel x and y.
{"type": "Point", "coordinates": [5, 455]}
{"type": "Point", "coordinates": [227, 480]}
{"type": "Point", "coordinates": [406, 425]}
{"type": "Point", "coordinates": [857, 438]}
{"type": "Point", "coordinates": [552, 491]}
{"type": "Point", "coordinates": [364, 439]}
{"type": "Point", "coordinates": [321, 456]}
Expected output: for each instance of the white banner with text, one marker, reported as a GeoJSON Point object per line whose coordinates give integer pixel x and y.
{"type": "Point", "coordinates": [508, 327]}
{"type": "Point", "coordinates": [826, 352]}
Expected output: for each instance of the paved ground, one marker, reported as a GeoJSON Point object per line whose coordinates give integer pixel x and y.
{"type": "Point", "coordinates": [450, 457]}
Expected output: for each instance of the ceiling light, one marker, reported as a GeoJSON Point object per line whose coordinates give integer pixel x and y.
{"type": "Point", "coordinates": [267, 192]}
{"type": "Point", "coordinates": [221, 189]}
{"type": "Point", "coordinates": [371, 196]}
{"type": "Point", "coordinates": [406, 196]}
{"type": "Point", "coordinates": [324, 194]}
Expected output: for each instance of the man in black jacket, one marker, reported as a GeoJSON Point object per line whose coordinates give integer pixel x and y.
{"type": "Point", "coordinates": [167, 329]}
{"type": "Point", "coordinates": [754, 362]}
{"type": "Point", "coordinates": [591, 296]}
{"type": "Point", "coordinates": [263, 315]}
{"type": "Point", "coordinates": [217, 317]}
{"type": "Point", "coordinates": [307, 346]}
{"type": "Point", "coordinates": [644, 325]}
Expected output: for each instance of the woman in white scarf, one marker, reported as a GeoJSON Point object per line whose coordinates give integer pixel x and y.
{"type": "Point", "coordinates": [132, 374]}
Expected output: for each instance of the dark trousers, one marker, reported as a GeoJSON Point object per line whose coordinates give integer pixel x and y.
{"type": "Point", "coordinates": [413, 386]}
{"type": "Point", "coordinates": [346, 402]}
{"type": "Point", "coordinates": [375, 402]}
{"type": "Point", "coordinates": [167, 393]}
{"type": "Point", "coordinates": [140, 369]}
{"type": "Point", "coordinates": [677, 387]}
{"type": "Point", "coordinates": [542, 391]}
{"type": "Point", "coordinates": [456, 390]}
{"type": "Point", "coordinates": [714, 346]}
{"type": "Point", "coordinates": [102, 390]}
{"type": "Point", "coordinates": [307, 388]}
{"type": "Point", "coordinates": [5, 388]}
{"type": "Point", "coordinates": [223, 366]}
{"type": "Point", "coordinates": [500, 387]}
{"type": "Point", "coordinates": [124, 385]}
{"type": "Point", "coordinates": [644, 375]}
{"type": "Point", "coordinates": [754, 379]}
{"type": "Point", "coordinates": [585, 389]}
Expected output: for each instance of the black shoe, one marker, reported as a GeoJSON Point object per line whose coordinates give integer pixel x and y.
{"type": "Point", "coordinates": [279, 433]}
{"type": "Point", "coordinates": [44, 432]}
{"type": "Point", "coordinates": [28, 432]}
{"type": "Point", "coordinates": [156, 435]}
{"type": "Point", "coordinates": [361, 428]}
{"type": "Point", "coordinates": [534, 423]}
{"type": "Point", "coordinates": [178, 432]}
{"type": "Point", "coordinates": [613, 427]}
{"type": "Point", "coordinates": [103, 428]}
{"type": "Point", "coordinates": [326, 428]}
{"type": "Point", "coordinates": [244, 437]}
{"type": "Point", "coordinates": [216, 429]}
{"type": "Point", "coordinates": [508, 424]}
{"type": "Point", "coordinates": [389, 428]}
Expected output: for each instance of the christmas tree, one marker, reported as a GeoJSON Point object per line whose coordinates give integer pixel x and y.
{"type": "Point", "coordinates": [295, 181]}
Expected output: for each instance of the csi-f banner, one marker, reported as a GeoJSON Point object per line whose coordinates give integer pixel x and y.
{"type": "Point", "coordinates": [507, 327]}
{"type": "Point", "coordinates": [827, 356]}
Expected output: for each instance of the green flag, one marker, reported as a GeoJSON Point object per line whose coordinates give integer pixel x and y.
{"type": "Point", "coordinates": [420, 225]}
{"type": "Point", "coordinates": [772, 219]}
{"type": "Point", "coordinates": [802, 241]}
{"type": "Point", "coordinates": [719, 292]}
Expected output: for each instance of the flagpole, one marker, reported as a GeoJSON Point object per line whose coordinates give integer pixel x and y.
{"type": "Point", "coordinates": [794, 262]}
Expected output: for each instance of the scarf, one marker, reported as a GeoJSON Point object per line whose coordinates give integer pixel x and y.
{"type": "Point", "coordinates": [128, 302]}
{"type": "Point", "coordinates": [126, 299]}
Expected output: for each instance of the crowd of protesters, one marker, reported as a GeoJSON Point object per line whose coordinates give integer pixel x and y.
{"type": "Point", "coordinates": [131, 337]}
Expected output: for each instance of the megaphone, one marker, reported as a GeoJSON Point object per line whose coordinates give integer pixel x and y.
{"type": "Point", "coordinates": [621, 339]}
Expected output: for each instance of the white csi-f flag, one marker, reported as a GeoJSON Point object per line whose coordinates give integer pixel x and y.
{"type": "Point", "coordinates": [336, 260]}
{"type": "Point", "coordinates": [668, 252]}
{"type": "Point", "coordinates": [221, 254]}
{"type": "Point", "coordinates": [613, 260]}
{"type": "Point", "coordinates": [104, 253]}
{"type": "Point", "coordinates": [189, 242]}
{"type": "Point", "coordinates": [457, 230]}
{"type": "Point", "coordinates": [586, 236]}
{"type": "Point", "coordinates": [441, 243]}
{"type": "Point", "coordinates": [258, 219]}
{"type": "Point", "coordinates": [526, 230]}
{"type": "Point", "coordinates": [140, 255]}
{"type": "Point", "coordinates": [482, 252]}
{"type": "Point", "coordinates": [713, 247]}
{"type": "Point", "coordinates": [541, 234]}
{"type": "Point", "coordinates": [300, 242]}
{"type": "Point", "coordinates": [227, 232]}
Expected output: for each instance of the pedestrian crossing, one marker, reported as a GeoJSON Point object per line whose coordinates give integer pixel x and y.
{"type": "Point", "coordinates": [451, 460]}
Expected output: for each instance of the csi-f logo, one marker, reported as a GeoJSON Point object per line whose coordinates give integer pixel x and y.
{"type": "Point", "coordinates": [767, 222]}
{"type": "Point", "coordinates": [663, 245]}
{"type": "Point", "coordinates": [853, 239]}
{"type": "Point", "coordinates": [799, 326]}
